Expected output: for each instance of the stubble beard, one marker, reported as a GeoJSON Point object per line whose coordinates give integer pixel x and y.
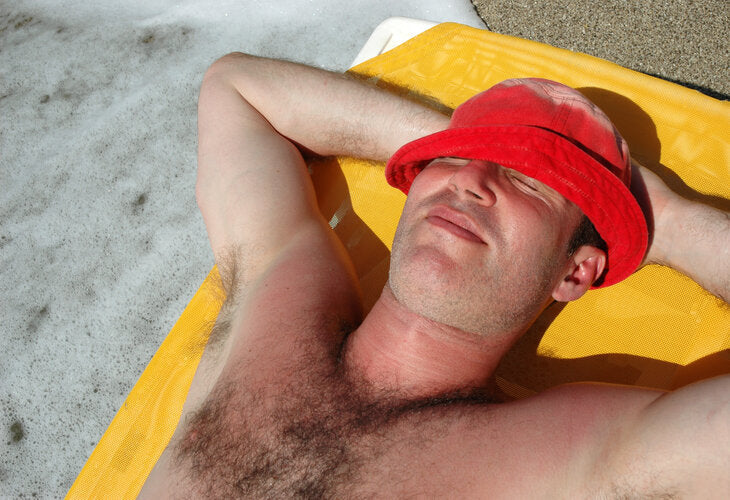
{"type": "Point", "coordinates": [489, 300]}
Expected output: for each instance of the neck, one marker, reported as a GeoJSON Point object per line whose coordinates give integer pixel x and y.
{"type": "Point", "coordinates": [399, 351]}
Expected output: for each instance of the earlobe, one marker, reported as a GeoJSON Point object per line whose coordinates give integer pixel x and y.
{"type": "Point", "coordinates": [586, 266]}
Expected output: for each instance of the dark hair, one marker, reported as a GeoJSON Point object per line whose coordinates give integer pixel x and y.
{"type": "Point", "coordinates": [586, 234]}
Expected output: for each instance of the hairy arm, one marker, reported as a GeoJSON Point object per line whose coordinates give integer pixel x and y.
{"type": "Point", "coordinates": [687, 236]}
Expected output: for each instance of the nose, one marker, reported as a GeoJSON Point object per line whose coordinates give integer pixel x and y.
{"type": "Point", "coordinates": [474, 181]}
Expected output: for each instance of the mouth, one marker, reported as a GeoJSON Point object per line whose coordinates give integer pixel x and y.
{"type": "Point", "coordinates": [455, 222]}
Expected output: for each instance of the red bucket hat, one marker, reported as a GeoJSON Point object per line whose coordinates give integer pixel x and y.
{"type": "Point", "coordinates": [552, 133]}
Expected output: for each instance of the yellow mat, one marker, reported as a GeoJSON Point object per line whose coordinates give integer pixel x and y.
{"type": "Point", "coordinates": [655, 329]}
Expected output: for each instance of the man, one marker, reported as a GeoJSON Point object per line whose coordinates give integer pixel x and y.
{"type": "Point", "coordinates": [298, 395]}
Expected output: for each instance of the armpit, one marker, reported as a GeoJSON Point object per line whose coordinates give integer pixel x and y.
{"type": "Point", "coordinates": [231, 282]}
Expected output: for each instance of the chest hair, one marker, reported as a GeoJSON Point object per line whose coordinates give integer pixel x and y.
{"type": "Point", "coordinates": [313, 439]}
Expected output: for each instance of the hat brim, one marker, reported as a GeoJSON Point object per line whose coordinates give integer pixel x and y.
{"type": "Point", "coordinates": [553, 160]}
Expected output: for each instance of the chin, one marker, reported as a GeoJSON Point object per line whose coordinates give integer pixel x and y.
{"type": "Point", "coordinates": [435, 298]}
{"type": "Point", "coordinates": [429, 283]}
{"type": "Point", "coordinates": [422, 273]}
{"type": "Point", "coordinates": [475, 307]}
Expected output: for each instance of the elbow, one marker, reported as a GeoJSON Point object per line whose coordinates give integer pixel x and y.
{"type": "Point", "coordinates": [232, 71]}
{"type": "Point", "coordinates": [227, 65]}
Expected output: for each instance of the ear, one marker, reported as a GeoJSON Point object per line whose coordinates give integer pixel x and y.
{"type": "Point", "coordinates": [584, 267]}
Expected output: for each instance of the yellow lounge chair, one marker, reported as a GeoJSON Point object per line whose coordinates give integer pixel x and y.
{"type": "Point", "coordinates": [655, 329]}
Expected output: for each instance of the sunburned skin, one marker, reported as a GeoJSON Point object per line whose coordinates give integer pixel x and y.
{"type": "Point", "coordinates": [334, 434]}
{"type": "Point", "coordinates": [318, 436]}
{"type": "Point", "coordinates": [334, 430]}
{"type": "Point", "coordinates": [315, 439]}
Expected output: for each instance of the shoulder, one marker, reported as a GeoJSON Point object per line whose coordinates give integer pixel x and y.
{"type": "Point", "coordinates": [561, 440]}
{"type": "Point", "coordinates": [646, 443]}
{"type": "Point", "coordinates": [677, 444]}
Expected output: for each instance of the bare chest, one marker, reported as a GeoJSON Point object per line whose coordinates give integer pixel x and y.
{"type": "Point", "coordinates": [334, 443]}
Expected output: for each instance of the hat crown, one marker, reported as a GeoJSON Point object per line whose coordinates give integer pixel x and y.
{"type": "Point", "coordinates": [553, 106]}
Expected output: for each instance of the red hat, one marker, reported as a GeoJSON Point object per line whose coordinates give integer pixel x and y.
{"type": "Point", "coordinates": [552, 133]}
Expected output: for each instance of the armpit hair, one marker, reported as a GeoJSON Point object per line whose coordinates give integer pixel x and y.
{"type": "Point", "coordinates": [230, 280]}
{"type": "Point", "coordinates": [230, 270]}
{"type": "Point", "coordinates": [624, 492]}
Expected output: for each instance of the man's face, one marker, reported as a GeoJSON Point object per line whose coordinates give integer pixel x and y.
{"type": "Point", "coordinates": [480, 247]}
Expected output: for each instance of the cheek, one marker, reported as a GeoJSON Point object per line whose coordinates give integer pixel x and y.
{"type": "Point", "coordinates": [430, 179]}
{"type": "Point", "coordinates": [538, 242]}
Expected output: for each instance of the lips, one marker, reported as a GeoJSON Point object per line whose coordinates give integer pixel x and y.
{"type": "Point", "coordinates": [457, 223]}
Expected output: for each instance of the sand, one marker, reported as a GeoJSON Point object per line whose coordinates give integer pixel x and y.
{"type": "Point", "coordinates": [683, 41]}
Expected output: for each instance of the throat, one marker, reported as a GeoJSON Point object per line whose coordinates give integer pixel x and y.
{"type": "Point", "coordinates": [407, 356]}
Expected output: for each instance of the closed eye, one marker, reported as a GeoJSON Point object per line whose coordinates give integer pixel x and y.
{"type": "Point", "coordinates": [535, 188]}
{"type": "Point", "coordinates": [525, 181]}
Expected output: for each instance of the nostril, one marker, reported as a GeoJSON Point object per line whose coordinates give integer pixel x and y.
{"type": "Point", "coordinates": [455, 187]}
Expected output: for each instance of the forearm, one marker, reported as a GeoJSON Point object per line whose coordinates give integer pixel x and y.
{"type": "Point", "coordinates": [694, 239]}
{"type": "Point", "coordinates": [327, 113]}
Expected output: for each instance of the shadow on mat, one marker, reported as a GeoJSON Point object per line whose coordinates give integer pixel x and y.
{"type": "Point", "coordinates": [639, 131]}
{"type": "Point", "coordinates": [523, 365]}
{"type": "Point", "coordinates": [369, 255]}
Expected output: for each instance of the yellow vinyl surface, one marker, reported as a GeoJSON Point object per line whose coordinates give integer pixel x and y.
{"type": "Point", "coordinates": [655, 329]}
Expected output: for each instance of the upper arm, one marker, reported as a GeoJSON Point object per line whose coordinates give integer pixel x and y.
{"type": "Point", "coordinates": [253, 187]}
{"type": "Point", "coordinates": [679, 443]}
{"type": "Point", "coordinates": [269, 239]}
